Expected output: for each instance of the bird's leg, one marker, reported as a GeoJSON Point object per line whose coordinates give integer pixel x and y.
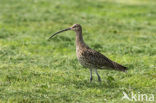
{"type": "Point", "coordinates": [99, 78]}
{"type": "Point", "coordinates": [91, 78]}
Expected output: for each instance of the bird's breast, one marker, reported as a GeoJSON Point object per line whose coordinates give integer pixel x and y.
{"type": "Point", "coordinates": [84, 61]}
{"type": "Point", "coordinates": [78, 52]}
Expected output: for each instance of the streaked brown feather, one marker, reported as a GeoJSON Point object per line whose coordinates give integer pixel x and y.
{"type": "Point", "coordinates": [92, 59]}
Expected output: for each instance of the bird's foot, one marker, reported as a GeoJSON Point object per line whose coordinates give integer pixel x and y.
{"type": "Point", "coordinates": [99, 79]}
{"type": "Point", "coordinates": [91, 79]}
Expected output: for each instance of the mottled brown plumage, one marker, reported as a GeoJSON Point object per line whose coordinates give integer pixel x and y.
{"type": "Point", "coordinates": [90, 58]}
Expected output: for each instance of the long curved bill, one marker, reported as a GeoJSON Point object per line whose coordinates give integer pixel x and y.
{"type": "Point", "coordinates": [59, 32]}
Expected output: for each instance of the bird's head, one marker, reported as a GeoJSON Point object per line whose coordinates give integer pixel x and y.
{"type": "Point", "coordinates": [75, 27]}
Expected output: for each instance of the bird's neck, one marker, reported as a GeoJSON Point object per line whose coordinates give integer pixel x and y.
{"type": "Point", "coordinates": [79, 39]}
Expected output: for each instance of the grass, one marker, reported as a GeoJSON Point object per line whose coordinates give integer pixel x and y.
{"type": "Point", "coordinates": [35, 70]}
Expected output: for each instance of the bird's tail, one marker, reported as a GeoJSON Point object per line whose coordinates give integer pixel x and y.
{"type": "Point", "coordinates": [120, 67]}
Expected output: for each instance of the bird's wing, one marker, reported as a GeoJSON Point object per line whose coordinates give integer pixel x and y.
{"type": "Point", "coordinates": [97, 59]}
{"type": "Point", "coordinates": [101, 61]}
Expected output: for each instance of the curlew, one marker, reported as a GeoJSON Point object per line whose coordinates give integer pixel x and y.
{"type": "Point", "coordinates": [90, 58]}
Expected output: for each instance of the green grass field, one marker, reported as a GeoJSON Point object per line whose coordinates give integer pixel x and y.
{"type": "Point", "coordinates": [35, 70]}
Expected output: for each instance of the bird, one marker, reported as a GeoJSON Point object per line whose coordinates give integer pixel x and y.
{"type": "Point", "coordinates": [90, 58]}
